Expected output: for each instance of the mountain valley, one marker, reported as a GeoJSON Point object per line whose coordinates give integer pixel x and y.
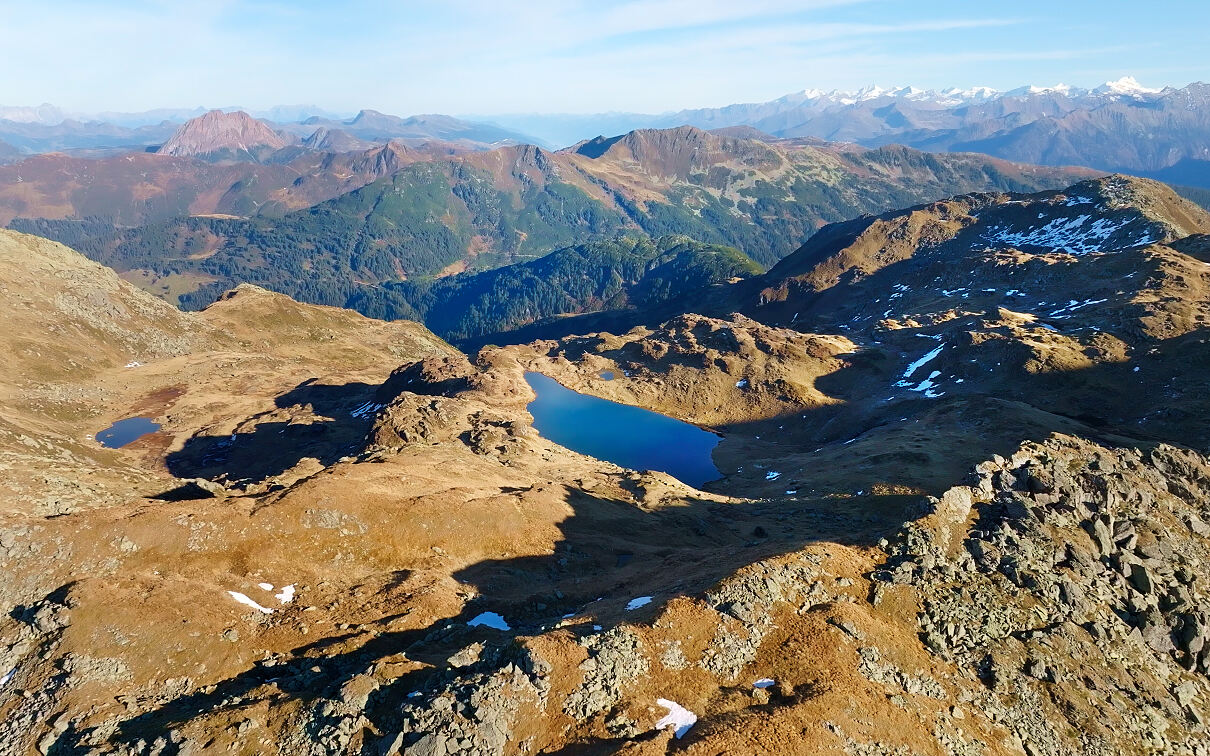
{"type": "Point", "coordinates": [962, 509]}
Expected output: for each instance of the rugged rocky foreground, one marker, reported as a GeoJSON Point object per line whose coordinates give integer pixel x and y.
{"type": "Point", "coordinates": [1054, 606]}
{"type": "Point", "coordinates": [974, 523]}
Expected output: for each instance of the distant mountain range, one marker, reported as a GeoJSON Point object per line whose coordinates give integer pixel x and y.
{"type": "Point", "coordinates": [51, 115]}
{"type": "Point", "coordinates": [374, 126]}
{"type": "Point", "coordinates": [1118, 126]}
{"type": "Point", "coordinates": [47, 129]}
{"type": "Point", "coordinates": [798, 108]}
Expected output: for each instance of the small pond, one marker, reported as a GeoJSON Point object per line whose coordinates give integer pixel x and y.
{"type": "Point", "coordinates": [125, 431]}
{"type": "Point", "coordinates": [627, 436]}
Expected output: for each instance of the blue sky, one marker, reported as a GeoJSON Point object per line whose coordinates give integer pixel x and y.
{"type": "Point", "coordinates": [570, 56]}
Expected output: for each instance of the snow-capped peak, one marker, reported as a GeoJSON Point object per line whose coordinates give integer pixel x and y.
{"type": "Point", "coordinates": [872, 92]}
{"type": "Point", "coordinates": [1127, 85]}
{"type": "Point", "coordinates": [974, 93]}
{"type": "Point", "coordinates": [1060, 88]}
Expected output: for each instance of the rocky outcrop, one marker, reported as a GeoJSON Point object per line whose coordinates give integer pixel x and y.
{"type": "Point", "coordinates": [1075, 595]}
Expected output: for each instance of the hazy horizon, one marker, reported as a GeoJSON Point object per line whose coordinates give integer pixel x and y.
{"type": "Point", "coordinates": [546, 57]}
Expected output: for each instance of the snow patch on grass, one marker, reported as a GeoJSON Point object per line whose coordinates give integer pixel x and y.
{"type": "Point", "coordinates": [241, 598]}
{"type": "Point", "coordinates": [912, 368]}
{"type": "Point", "coordinates": [678, 717]}
{"type": "Point", "coordinates": [927, 385]}
{"type": "Point", "coordinates": [1075, 236]}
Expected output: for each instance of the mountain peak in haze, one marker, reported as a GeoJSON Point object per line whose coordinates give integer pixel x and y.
{"type": "Point", "coordinates": [335, 140]}
{"type": "Point", "coordinates": [45, 114]}
{"type": "Point", "coordinates": [217, 132]}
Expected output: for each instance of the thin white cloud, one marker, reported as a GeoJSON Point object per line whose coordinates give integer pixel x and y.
{"type": "Point", "coordinates": [487, 55]}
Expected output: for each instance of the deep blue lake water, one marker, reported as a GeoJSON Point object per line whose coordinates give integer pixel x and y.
{"type": "Point", "coordinates": [628, 436]}
{"type": "Point", "coordinates": [124, 431]}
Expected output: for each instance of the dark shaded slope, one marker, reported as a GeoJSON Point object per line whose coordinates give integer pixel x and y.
{"type": "Point", "coordinates": [630, 272]}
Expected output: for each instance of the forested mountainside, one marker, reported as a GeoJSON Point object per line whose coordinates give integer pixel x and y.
{"type": "Point", "coordinates": [628, 272]}
{"type": "Point", "coordinates": [482, 210]}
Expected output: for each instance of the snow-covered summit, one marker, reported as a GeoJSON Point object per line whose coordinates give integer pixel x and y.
{"type": "Point", "coordinates": [1127, 85]}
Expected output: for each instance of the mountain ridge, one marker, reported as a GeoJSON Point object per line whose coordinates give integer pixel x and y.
{"type": "Point", "coordinates": [484, 209]}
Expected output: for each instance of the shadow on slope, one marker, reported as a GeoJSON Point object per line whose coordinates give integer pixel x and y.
{"type": "Point", "coordinates": [610, 552]}
{"type": "Point", "coordinates": [312, 420]}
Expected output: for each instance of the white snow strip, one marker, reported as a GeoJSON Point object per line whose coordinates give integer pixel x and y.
{"type": "Point", "coordinates": [8, 677]}
{"type": "Point", "coordinates": [918, 363]}
{"type": "Point", "coordinates": [742, 383]}
{"type": "Point", "coordinates": [1074, 305]}
{"type": "Point", "coordinates": [489, 619]}
{"type": "Point", "coordinates": [134, 364]}
{"type": "Point", "coordinates": [635, 603]}
{"type": "Point", "coordinates": [265, 586]}
{"type": "Point", "coordinates": [678, 717]}
{"type": "Point", "coordinates": [249, 602]}
{"type": "Point", "coordinates": [772, 475]}
{"type": "Point", "coordinates": [286, 595]}
{"type": "Point", "coordinates": [764, 682]}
